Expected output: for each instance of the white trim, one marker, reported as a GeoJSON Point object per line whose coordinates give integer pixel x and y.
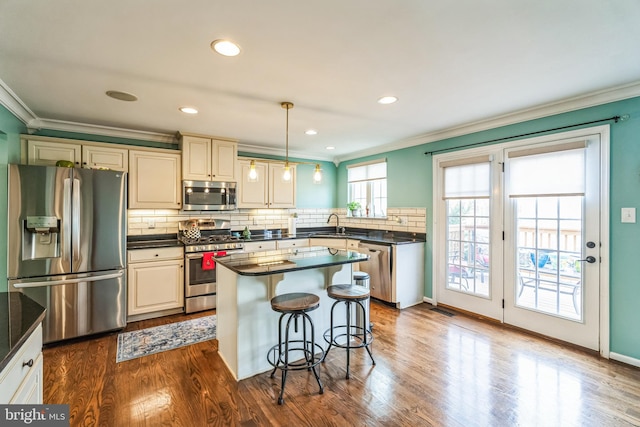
{"type": "Point", "coordinates": [66, 126]}
{"type": "Point", "coordinates": [367, 163]}
{"type": "Point", "coordinates": [14, 104]}
{"type": "Point", "coordinates": [605, 177]}
{"type": "Point", "coordinates": [429, 301]}
{"type": "Point", "coordinates": [592, 99]}
{"type": "Point", "coordinates": [256, 149]}
{"type": "Point", "coordinates": [625, 359]}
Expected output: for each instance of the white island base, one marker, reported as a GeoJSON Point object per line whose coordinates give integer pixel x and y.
{"type": "Point", "coordinates": [247, 327]}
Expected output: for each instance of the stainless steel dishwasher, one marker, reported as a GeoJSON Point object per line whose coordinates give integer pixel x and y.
{"type": "Point", "coordinates": [379, 268]}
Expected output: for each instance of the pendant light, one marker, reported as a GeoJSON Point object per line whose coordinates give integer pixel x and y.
{"type": "Point", "coordinates": [253, 174]}
{"type": "Point", "coordinates": [317, 174]}
{"type": "Point", "coordinates": [286, 176]}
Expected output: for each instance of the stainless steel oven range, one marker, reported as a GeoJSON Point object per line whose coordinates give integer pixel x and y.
{"type": "Point", "coordinates": [204, 242]}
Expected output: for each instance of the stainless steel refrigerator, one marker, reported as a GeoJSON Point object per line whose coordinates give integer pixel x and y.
{"type": "Point", "coordinates": [67, 246]}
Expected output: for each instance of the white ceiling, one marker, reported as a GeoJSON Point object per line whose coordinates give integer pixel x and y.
{"type": "Point", "coordinates": [450, 63]}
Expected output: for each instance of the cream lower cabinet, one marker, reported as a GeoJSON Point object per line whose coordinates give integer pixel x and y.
{"type": "Point", "coordinates": [21, 379]}
{"type": "Point", "coordinates": [208, 159]}
{"type": "Point", "coordinates": [155, 282]}
{"type": "Point", "coordinates": [154, 180]}
{"type": "Point", "coordinates": [268, 189]}
{"type": "Point", "coordinates": [333, 243]}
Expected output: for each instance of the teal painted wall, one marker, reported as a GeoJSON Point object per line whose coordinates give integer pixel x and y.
{"type": "Point", "coordinates": [410, 185]}
{"type": "Point", "coordinates": [10, 130]}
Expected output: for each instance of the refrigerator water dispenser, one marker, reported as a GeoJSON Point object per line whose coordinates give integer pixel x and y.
{"type": "Point", "coordinates": [40, 237]}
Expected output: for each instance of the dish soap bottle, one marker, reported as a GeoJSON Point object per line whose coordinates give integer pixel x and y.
{"type": "Point", "coordinates": [246, 234]}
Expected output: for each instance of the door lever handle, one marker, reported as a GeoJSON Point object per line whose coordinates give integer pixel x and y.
{"type": "Point", "coordinates": [589, 259]}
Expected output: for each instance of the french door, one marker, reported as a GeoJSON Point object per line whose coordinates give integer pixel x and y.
{"type": "Point", "coordinates": [552, 250]}
{"type": "Point", "coordinates": [517, 234]}
{"type": "Point", "coordinates": [466, 236]}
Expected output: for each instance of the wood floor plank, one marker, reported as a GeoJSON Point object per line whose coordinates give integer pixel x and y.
{"type": "Point", "coordinates": [431, 370]}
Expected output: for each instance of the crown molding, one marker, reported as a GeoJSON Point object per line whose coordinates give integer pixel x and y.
{"type": "Point", "coordinates": [11, 102]}
{"type": "Point", "coordinates": [61, 125]}
{"type": "Point", "coordinates": [256, 149]}
{"type": "Point", "coordinates": [592, 99]}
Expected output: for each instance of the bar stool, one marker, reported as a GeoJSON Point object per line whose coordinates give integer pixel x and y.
{"type": "Point", "coordinates": [293, 353]}
{"type": "Point", "coordinates": [349, 336]}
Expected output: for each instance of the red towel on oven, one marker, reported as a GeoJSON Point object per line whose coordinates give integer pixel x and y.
{"type": "Point", "coordinates": [208, 261]}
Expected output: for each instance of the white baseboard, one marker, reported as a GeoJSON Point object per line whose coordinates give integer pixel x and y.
{"type": "Point", "coordinates": [624, 359]}
{"type": "Point", "coordinates": [429, 300]}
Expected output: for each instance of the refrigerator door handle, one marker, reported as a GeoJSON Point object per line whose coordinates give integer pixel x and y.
{"type": "Point", "coordinates": [76, 219]}
{"type": "Point", "coordinates": [68, 281]}
{"type": "Point", "coordinates": [66, 222]}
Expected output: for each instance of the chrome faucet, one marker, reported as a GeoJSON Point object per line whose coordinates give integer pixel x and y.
{"type": "Point", "coordinates": [337, 222]}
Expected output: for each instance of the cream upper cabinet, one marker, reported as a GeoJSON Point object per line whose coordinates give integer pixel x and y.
{"type": "Point", "coordinates": [282, 194]}
{"type": "Point", "coordinates": [253, 193]}
{"type": "Point", "coordinates": [268, 190]}
{"type": "Point", "coordinates": [208, 159]}
{"type": "Point", "coordinates": [105, 157]}
{"type": "Point", "coordinates": [154, 180]}
{"type": "Point", "coordinates": [47, 153]}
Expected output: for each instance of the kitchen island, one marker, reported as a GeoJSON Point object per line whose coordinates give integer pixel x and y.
{"type": "Point", "coordinates": [247, 327]}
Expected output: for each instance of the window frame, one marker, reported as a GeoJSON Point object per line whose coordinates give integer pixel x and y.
{"type": "Point", "coordinates": [370, 196]}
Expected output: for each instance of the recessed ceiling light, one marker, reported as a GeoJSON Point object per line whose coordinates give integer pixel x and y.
{"type": "Point", "coordinates": [188, 110]}
{"type": "Point", "coordinates": [225, 47]}
{"type": "Point", "coordinates": [387, 100]}
{"type": "Point", "coordinates": [311, 132]}
{"type": "Point", "coordinates": [330, 148]}
{"type": "Point", "coordinates": [121, 96]}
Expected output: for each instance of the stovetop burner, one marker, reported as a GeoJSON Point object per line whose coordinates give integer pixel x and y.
{"type": "Point", "coordinates": [214, 238]}
{"type": "Point", "coordinates": [215, 235]}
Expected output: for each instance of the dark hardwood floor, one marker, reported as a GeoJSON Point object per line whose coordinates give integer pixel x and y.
{"type": "Point", "coordinates": [431, 369]}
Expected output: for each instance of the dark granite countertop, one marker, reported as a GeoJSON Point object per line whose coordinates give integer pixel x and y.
{"type": "Point", "coordinates": [362, 234]}
{"type": "Point", "coordinates": [19, 317]}
{"type": "Point", "coordinates": [314, 258]}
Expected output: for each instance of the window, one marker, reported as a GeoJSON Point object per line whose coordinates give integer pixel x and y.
{"type": "Point", "coordinates": [467, 189]}
{"type": "Point", "coordinates": [368, 186]}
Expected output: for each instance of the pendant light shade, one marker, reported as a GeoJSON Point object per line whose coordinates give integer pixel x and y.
{"type": "Point", "coordinates": [286, 176]}
{"type": "Point", "coordinates": [253, 174]}
{"type": "Point", "coordinates": [317, 175]}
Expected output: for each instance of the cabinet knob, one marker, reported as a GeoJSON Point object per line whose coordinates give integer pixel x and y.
{"type": "Point", "coordinates": [157, 254]}
{"type": "Point", "coordinates": [29, 363]}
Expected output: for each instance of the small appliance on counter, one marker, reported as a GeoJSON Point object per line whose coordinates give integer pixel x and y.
{"type": "Point", "coordinates": [212, 240]}
{"type": "Point", "coordinates": [67, 246]}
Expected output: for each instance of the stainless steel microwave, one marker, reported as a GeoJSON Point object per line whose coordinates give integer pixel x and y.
{"type": "Point", "coordinates": [208, 196]}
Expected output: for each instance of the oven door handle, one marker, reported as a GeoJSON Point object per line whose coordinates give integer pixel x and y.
{"type": "Point", "coordinates": [194, 255]}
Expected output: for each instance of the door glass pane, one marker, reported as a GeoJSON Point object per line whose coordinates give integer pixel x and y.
{"type": "Point", "coordinates": [468, 246]}
{"type": "Point", "coordinates": [549, 243]}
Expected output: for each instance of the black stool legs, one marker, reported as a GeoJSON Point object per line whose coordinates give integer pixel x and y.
{"type": "Point", "coordinates": [354, 335]}
{"type": "Point", "coordinates": [295, 354]}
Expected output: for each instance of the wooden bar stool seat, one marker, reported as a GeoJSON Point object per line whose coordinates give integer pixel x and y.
{"type": "Point", "coordinates": [297, 350]}
{"type": "Point", "coordinates": [348, 335]}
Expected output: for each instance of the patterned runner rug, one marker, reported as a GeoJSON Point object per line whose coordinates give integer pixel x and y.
{"type": "Point", "coordinates": [165, 337]}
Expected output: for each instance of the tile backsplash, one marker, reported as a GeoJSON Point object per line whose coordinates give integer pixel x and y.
{"type": "Point", "coordinates": [160, 221]}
